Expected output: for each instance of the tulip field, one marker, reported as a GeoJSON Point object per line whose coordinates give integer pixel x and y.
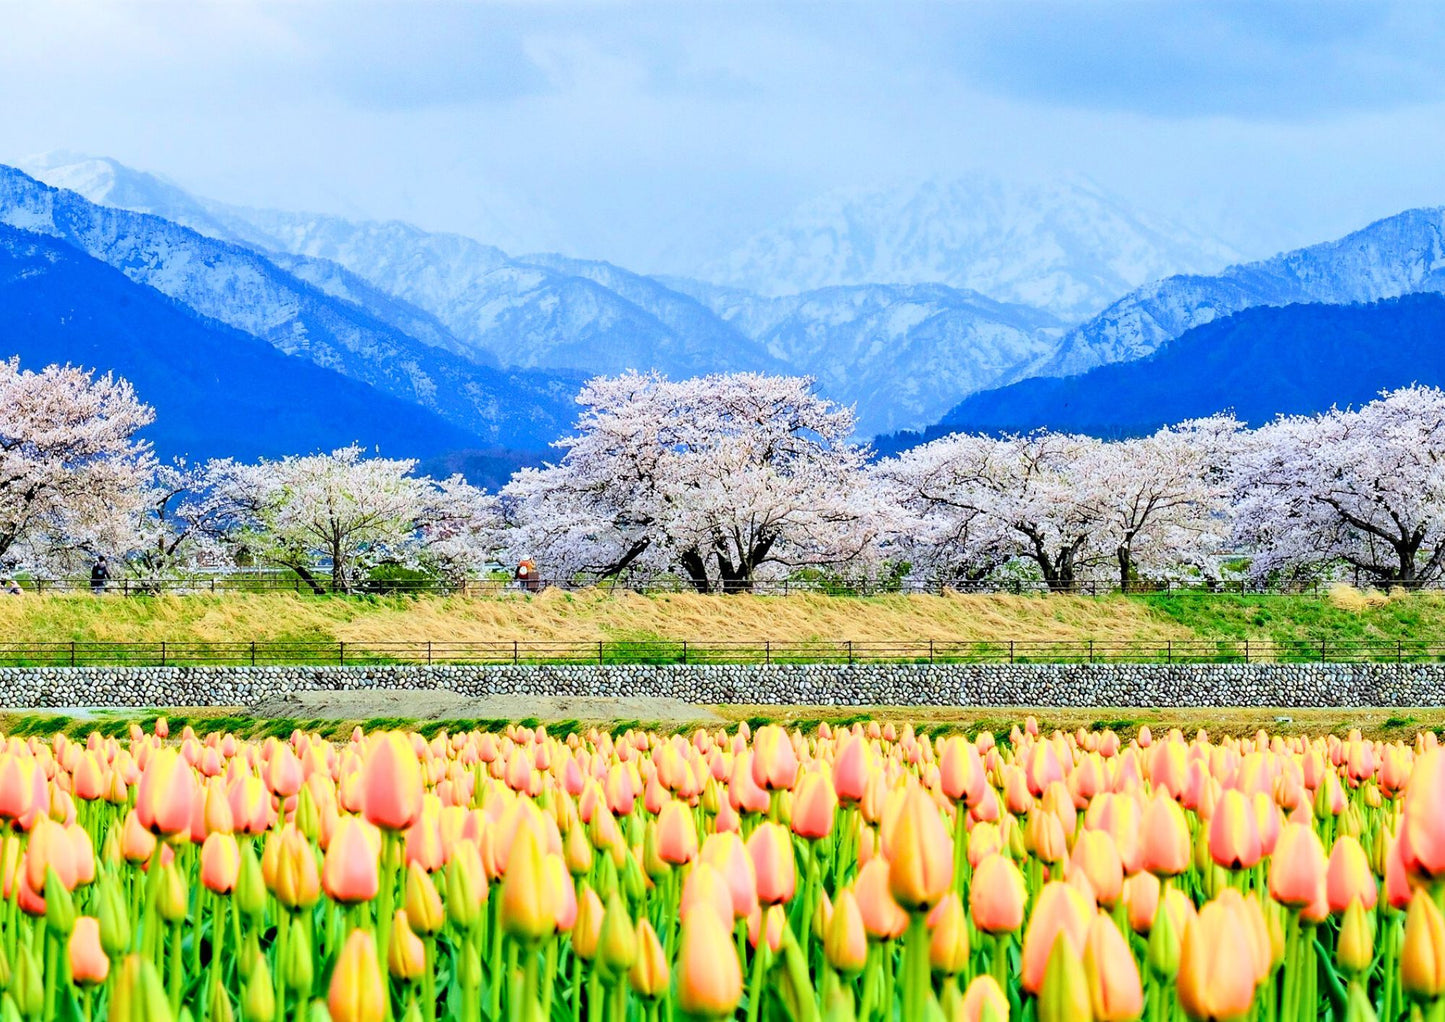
{"type": "Point", "coordinates": [851, 873]}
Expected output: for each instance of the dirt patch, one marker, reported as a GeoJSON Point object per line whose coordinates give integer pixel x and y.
{"type": "Point", "coordinates": [416, 704]}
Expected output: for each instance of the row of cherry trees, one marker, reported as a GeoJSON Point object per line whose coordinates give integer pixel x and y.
{"type": "Point", "coordinates": [725, 480]}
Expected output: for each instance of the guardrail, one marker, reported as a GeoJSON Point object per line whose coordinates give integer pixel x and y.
{"type": "Point", "coordinates": [482, 587]}
{"type": "Point", "coordinates": [914, 651]}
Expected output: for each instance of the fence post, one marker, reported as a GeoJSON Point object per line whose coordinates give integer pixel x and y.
{"type": "Point", "coordinates": [1168, 651]}
{"type": "Point", "coordinates": [850, 652]}
{"type": "Point", "coordinates": [72, 652]}
{"type": "Point", "coordinates": [930, 652]}
{"type": "Point", "coordinates": [514, 652]}
{"type": "Point", "coordinates": [684, 651]}
{"type": "Point", "coordinates": [428, 653]}
{"type": "Point", "coordinates": [1091, 651]}
{"type": "Point", "coordinates": [1399, 650]}
{"type": "Point", "coordinates": [1322, 650]}
{"type": "Point", "coordinates": [163, 653]}
{"type": "Point", "coordinates": [1010, 651]}
{"type": "Point", "coordinates": [341, 654]}
{"type": "Point", "coordinates": [1246, 651]}
{"type": "Point", "coordinates": [768, 651]}
{"type": "Point", "coordinates": [253, 652]}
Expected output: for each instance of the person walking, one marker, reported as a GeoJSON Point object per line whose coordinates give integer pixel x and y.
{"type": "Point", "coordinates": [99, 575]}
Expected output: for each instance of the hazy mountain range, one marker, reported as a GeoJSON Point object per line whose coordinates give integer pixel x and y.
{"type": "Point", "coordinates": [902, 302]}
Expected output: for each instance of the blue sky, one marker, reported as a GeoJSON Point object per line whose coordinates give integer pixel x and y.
{"type": "Point", "coordinates": [636, 131]}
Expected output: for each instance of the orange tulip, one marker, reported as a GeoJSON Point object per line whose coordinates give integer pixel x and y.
{"type": "Point", "coordinates": [357, 993]}
{"type": "Point", "coordinates": [852, 769]}
{"type": "Point", "coordinates": [649, 973]}
{"type": "Point", "coordinates": [948, 946]}
{"type": "Point", "coordinates": [676, 834]}
{"type": "Point", "coordinates": [920, 852]}
{"type": "Point", "coordinates": [1164, 838]}
{"type": "Point", "coordinates": [1234, 841]}
{"type": "Point", "coordinates": [727, 853]}
{"type": "Point", "coordinates": [527, 908]}
{"type": "Point", "coordinates": [406, 954]}
{"type": "Point", "coordinates": [1422, 956]}
{"type": "Point", "coordinates": [709, 977]}
{"type": "Point", "coordinates": [883, 918]}
{"type": "Point", "coordinates": [775, 764]}
{"type": "Point", "coordinates": [997, 896]}
{"type": "Point", "coordinates": [392, 784]}
{"type": "Point", "coordinates": [350, 869]}
{"type": "Point", "coordinates": [1297, 868]}
{"type": "Point", "coordinates": [1348, 876]}
{"type": "Point", "coordinates": [771, 849]}
{"type": "Point", "coordinates": [220, 863]}
{"type": "Point", "coordinates": [1114, 986]}
{"type": "Point", "coordinates": [168, 794]}
{"type": "Point", "coordinates": [1061, 911]}
{"type": "Point", "coordinates": [89, 965]}
{"type": "Point", "coordinates": [960, 771]}
{"type": "Point", "coordinates": [1217, 972]}
{"type": "Point", "coordinates": [704, 887]}
{"type": "Point", "coordinates": [815, 805]}
{"type": "Point", "coordinates": [1097, 858]}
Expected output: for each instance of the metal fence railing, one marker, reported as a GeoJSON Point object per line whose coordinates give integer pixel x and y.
{"type": "Point", "coordinates": [482, 587]}
{"type": "Point", "coordinates": [914, 651]}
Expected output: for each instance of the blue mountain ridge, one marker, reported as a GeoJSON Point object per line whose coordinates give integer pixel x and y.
{"type": "Point", "coordinates": [242, 288]}
{"type": "Point", "coordinates": [217, 391]}
{"type": "Point", "coordinates": [1258, 363]}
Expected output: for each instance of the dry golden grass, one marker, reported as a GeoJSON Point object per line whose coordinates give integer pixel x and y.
{"type": "Point", "coordinates": [580, 616]}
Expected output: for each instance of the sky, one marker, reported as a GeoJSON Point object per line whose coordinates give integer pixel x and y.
{"type": "Point", "coordinates": [654, 135]}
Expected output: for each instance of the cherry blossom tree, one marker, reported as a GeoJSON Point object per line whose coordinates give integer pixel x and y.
{"type": "Point", "coordinates": [72, 472]}
{"type": "Point", "coordinates": [342, 509]}
{"type": "Point", "coordinates": [1166, 495]}
{"type": "Point", "coordinates": [722, 479]}
{"type": "Point", "coordinates": [1364, 487]}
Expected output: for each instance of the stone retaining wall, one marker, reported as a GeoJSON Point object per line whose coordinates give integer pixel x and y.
{"type": "Point", "coordinates": [1283, 685]}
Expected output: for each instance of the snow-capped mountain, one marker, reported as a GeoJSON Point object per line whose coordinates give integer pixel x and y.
{"type": "Point", "coordinates": [901, 353]}
{"type": "Point", "coordinates": [1398, 255]}
{"type": "Point", "coordinates": [237, 286]}
{"type": "Point", "coordinates": [1065, 245]}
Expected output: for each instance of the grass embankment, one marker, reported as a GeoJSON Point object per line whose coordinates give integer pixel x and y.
{"type": "Point", "coordinates": [1345, 615]}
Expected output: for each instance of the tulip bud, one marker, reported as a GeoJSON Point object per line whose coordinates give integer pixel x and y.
{"type": "Point", "coordinates": [138, 995]}
{"type": "Point", "coordinates": [1064, 993]}
{"type": "Point", "coordinates": [406, 957]}
{"type": "Point", "coordinates": [1356, 948]}
{"type": "Point", "coordinates": [59, 905]}
{"type": "Point", "coordinates": [1297, 867]}
{"type": "Point", "coordinates": [250, 885]}
{"type": "Point", "coordinates": [948, 946]}
{"type": "Point", "coordinates": [526, 909]}
{"type": "Point", "coordinates": [1422, 956]}
{"type": "Point", "coordinates": [423, 903]}
{"type": "Point", "coordinates": [1060, 910]}
{"type": "Point", "coordinates": [218, 1008]}
{"type": "Point", "coordinates": [350, 872]}
{"type": "Point", "coordinates": [845, 944]}
{"type": "Point", "coordinates": [357, 993]}
{"type": "Point", "coordinates": [649, 973]}
{"type": "Point", "coordinates": [771, 849]}
{"type": "Point", "coordinates": [258, 999]}
{"type": "Point", "coordinates": [984, 1001]}
{"type": "Point", "coordinates": [466, 886]}
{"type": "Point", "coordinates": [173, 899]}
{"type": "Point", "coordinates": [1164, 847]}
{"type": "Point", "coordinates": [709, 980]}
{"type": "Point", "coordinates": [588, 929]}
{"type": "Point", "coordinates": [114, 917]}
{"type": "Point", "coordinates": [28, 988]}
{"type": "Point", "coordinates": [617, 941]}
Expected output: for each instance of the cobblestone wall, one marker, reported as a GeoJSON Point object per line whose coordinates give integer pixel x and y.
{"type": "Point", "coordinates": [1283, 685]}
